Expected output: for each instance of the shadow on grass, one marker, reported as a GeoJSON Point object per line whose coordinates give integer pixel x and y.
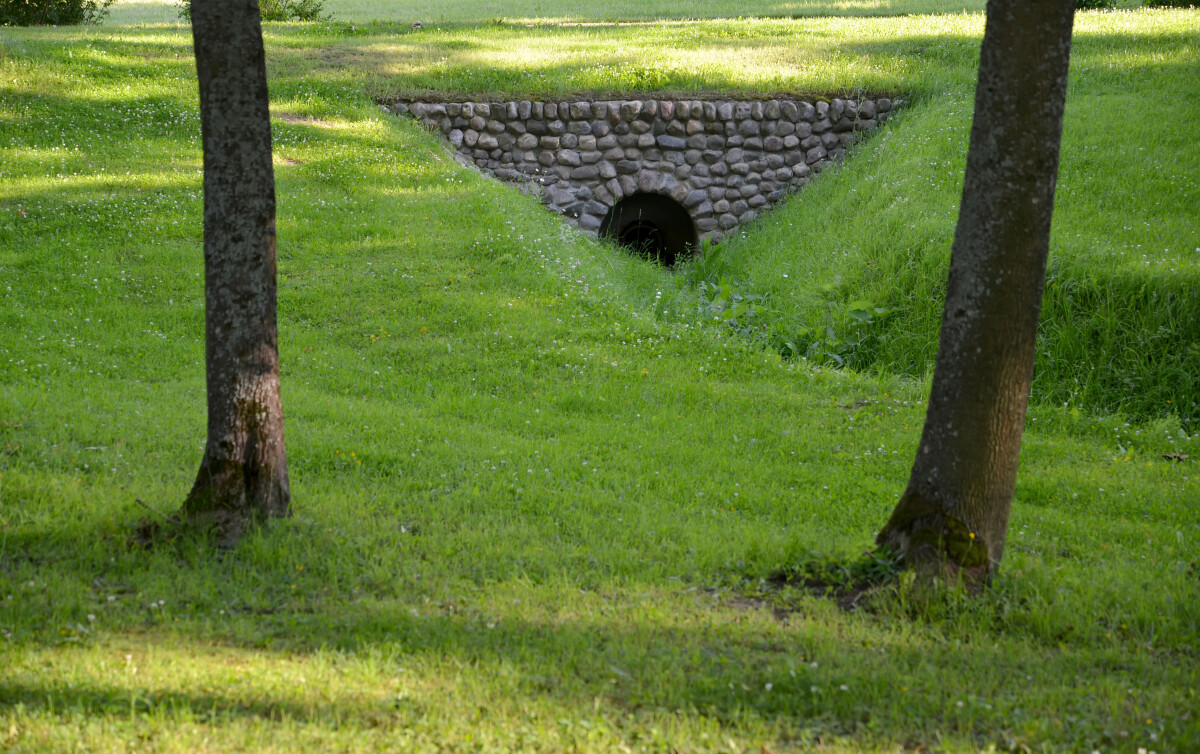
{"type": "Point", "coordinates": [808, 675]}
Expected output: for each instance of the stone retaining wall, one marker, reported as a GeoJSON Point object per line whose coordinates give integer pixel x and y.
{"type": "Point", "coordinates": [725, 161]}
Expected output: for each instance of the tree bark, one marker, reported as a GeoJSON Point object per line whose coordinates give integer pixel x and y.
{"type": "Point", "coordinates": [243, 476]}
{"type": "Point", "coordinates": [954, 514]}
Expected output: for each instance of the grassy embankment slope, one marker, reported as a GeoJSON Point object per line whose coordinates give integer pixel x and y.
{"type": "Point", "coordinates": [535, 490]}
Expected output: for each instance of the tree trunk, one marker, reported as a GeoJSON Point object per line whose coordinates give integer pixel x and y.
{"type": "Point", "coordinates": [243, 477]}
{"type": "Point", "coordinates": [953, 517]}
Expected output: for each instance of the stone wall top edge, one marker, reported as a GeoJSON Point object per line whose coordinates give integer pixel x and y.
{"type": "Point", "coordinates": [432, 99]}
{"type": "Point", "coordinates": [896, 99]}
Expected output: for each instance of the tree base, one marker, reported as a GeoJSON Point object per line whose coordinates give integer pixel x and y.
{"type": "Point", "coordinates": [935, 544]}
{"type": "Point", "coordinates": [230, 499]}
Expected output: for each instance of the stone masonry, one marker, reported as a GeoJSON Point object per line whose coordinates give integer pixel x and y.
{"type": "Point", "coordinates": [724, 161]}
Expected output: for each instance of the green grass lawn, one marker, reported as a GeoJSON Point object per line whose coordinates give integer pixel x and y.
{"type": "Point", "coordinates": [555, 11]}
{"type": "Point", "coordinates": [538, 490]}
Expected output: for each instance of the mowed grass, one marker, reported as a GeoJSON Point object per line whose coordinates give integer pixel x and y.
{"type": "Point", "coordinates": [126, 12]}
{"type": "Point", "coordinates": [537, 489]}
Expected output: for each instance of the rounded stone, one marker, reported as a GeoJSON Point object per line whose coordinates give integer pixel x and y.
{"type": "Point", "coordinates": [590, 222]}
{"type": "Point", "coordinates": [694, 197]}
{"type": "Point", "coordinates": [671, 142]}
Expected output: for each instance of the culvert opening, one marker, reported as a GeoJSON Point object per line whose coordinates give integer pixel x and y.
{"type": "Point", "coordinates": [653, 225]}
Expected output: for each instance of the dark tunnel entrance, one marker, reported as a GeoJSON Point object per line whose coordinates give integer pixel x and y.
{"type": "Point", "coordinates": [653, 225]}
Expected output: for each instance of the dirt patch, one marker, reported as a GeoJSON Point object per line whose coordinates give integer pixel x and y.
{"type": "Point", "coordinates": [303, 120]}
